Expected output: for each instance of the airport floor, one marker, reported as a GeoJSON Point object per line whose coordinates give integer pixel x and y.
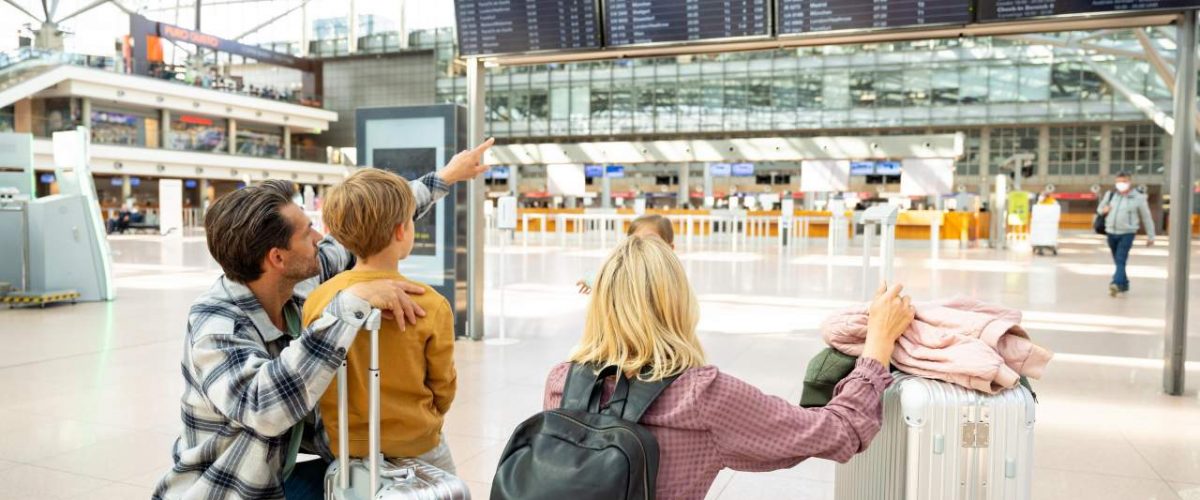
{"type": "Point", "coordinates": [89, 392]}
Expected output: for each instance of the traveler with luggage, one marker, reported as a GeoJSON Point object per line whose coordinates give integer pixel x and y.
{"type": "Point", "coordinates": [372, 211]}
{"type": "Point", "coordinates": [1122, 212]}
{"type": "Point", "coordinates": [253, 377]}
{"type": "Point", "coordinates": [675, 420]}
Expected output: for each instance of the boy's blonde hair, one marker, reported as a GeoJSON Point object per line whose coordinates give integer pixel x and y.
{"type": "Point", "coordinates": [362, 212]}
{"type": "Point", "coordinates": [657, 223]}
{"type": "Point", "coordinates": [643, 313]}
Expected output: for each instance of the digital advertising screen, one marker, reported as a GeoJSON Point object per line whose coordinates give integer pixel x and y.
{"type": "Point", "coordinates": [412, 163]}
{"type": "Point", "coordinates": [889, 168]}
{"type": "Point", "coordinates": [862, 168]}
{"type": "Point", "coordinates": [742, 169]}
{"type": "Point", "coordinates": [720, 169]}
{"type": "Point", "coordinates": [593, 171]}
{"type": "Point", "coordinates": [614, 171]}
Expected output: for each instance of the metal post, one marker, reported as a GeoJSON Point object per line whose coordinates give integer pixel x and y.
{"type": "Point", "coordinates": [605, 191]}
{"type": "Point", "coordinates": [304, 29]}
{"type": "Point", "coordinates": [1175, 347]}
{"type": "Point", "coordinates": [684, 194]}
{"type": "Point", "coordinates": [352, 32]}
{"type": "Point", "coordinates": [868, 237]}
{"type": "Point", "coordinates": [475, 193]}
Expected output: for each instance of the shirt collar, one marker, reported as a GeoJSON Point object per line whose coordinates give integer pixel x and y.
{"type": "Point", "coordinates": [242, 297]}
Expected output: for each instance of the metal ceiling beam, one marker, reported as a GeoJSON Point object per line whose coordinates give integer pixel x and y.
{"type": "Point", "coordinates": [206, 4]}
{"type": "Point", "coordinates": [90, 6]}
{"type": "Point", "coordinates": [1139, 101]}
{"type": "Point", "coordinates": [1073, 44]}
{"type": "Point", "coordinates": [46, 10]}
{"type": "Point", "coordinates": [271, 20]}
{"type": "Point", "coordinates": [23, 11]}
{"type": "Point", "coordinates": [1165, 72]}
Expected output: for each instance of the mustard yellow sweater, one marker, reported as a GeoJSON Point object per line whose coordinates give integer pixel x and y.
{"type": "Point", "coordinates": [416, 373]}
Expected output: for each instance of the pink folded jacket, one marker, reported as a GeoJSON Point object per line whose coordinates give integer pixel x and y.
{"type": "Point", "coordinates": [963, 341]}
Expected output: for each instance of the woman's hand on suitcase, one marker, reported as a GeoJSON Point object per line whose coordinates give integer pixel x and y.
{"type": "Point", "coordinates": [391, 297]}
{"type": "Point", "coordinates": [887, 318]}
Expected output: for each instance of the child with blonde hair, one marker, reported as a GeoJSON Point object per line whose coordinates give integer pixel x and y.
{"type": "Point", "coordinates": [642, 319]}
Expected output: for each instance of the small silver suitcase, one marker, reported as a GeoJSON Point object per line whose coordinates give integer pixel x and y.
{"type": "Point", "coordinates": [378, 478]}
{"type": "Point", "coordinates": [945, 442]}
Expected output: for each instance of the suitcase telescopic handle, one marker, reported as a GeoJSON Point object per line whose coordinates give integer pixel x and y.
{"type": "Point", "coordinates": [372, 325]}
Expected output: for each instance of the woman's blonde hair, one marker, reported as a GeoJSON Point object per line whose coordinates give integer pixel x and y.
{"type": "Point", "coordinates": [643, 314]}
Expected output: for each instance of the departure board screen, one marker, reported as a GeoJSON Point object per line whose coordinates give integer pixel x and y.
{"type": "Point", "coordinates": [634, 22]}
{"type": "Point", "coordinates": [814, 16]}
{"type": "Point", "coordinates": [1003, 10]}
{"type": "Point", "coordinates": [488, 27]}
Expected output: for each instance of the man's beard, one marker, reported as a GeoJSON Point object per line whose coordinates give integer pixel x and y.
{"type": "Point", "coordinates": [300, 271]}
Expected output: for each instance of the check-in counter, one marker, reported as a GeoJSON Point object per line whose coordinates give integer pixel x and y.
{"type": "Point", "coordinates": [911, 225]}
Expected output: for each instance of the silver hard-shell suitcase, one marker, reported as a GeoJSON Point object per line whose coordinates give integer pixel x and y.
{"type": "Point", "coordinates": [942, 441]}
{"type": "Point", "coordinates": [377, 478]}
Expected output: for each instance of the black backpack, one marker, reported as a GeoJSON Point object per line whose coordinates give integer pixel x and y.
{"type": "Point", "coordinates": [582, 450]}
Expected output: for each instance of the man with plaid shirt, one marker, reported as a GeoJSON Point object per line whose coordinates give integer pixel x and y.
{"type": "Point", "coordinates": [253, 376]}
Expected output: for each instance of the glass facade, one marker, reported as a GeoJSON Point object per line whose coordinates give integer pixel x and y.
{"type": "Point", "coordinates": [1075, 151]}
{"type": "Point", "coordinates": [1015, 96]}
{"type": "Point", "coordinates": [1138, 149]}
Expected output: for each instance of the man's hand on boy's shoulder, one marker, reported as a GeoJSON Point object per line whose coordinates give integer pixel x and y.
{"type": "Point", "coordinates": [467, 164]}
{"type": "Point", "coordinates": [391, 296]}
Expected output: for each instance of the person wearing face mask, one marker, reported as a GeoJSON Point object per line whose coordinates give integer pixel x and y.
{"type": "Point", "coordinates": [1125, 210]}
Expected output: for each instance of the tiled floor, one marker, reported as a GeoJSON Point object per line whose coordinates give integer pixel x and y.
{"type": "Point", "coordinates": [89, 393]}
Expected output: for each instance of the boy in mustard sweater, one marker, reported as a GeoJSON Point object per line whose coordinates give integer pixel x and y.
{"type": "Point", "coordinates": [371, 214]}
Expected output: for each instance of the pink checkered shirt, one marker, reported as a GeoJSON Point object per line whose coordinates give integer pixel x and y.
{"type": "Point", "coordinates": [707, 421]}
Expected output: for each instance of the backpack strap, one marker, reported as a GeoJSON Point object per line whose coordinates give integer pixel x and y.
{"type": "Point", "coordinates": [584, 386]}
{"type": "Point", "coordinates": [633, 397]}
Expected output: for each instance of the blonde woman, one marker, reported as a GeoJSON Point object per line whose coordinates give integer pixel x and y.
{"type": "Point", "coordinates": [642, 318]}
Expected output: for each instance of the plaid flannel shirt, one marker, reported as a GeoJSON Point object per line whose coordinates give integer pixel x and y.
{"type": "Point", "coordinates": [248, 383]}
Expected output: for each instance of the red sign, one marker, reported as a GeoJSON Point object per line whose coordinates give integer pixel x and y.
{"type": "Point", "coordinates": [195, 120]}
{"type": "Point", "coordinates": [1074, 196]}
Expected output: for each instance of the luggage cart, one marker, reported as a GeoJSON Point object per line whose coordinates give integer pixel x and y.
{"type": "Point", "coordinates": [1043, 228]}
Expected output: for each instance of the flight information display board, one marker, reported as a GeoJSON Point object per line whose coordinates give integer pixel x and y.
{"type": "Point", "coordinates": [815, 16]}
{"type": "Point", "coordinates": [487, 27]}
{"type": "Point", "coordinates": [636, 22]}
{"type": "Point", "coordinates": [1004, 10]}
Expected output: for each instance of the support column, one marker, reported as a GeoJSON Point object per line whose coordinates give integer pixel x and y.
{"type": "Point", "coordinates": [514, 180]}
{"type": "Point", "coordinates": [1043, 159]}
{"type": "Point", "coordinates": [605, 191]}
{"type": "Point", "coordinates": [164, 125]}
{"type": "Point", "coordinates": [684, 172]}
{"type": "Point", "coordinates": [475, 192]}
{"type": "Point", "coordinates": [1175, 345]}
{"type": "Point", "coordinates": [304, 30]}
{"type": "Point", "coordinates": [126, 188]}
{"type": "Point", "coordinates": [231, 136]}
{"type": "Point", "coordinates": [86, 112]}
{"type": "Point", "coordinates": [402, 24]}
{"type": "Point", "coordinates": [205, 199]}
{"type": "Point", "coordinates": [23, 116]}
{"type": "Point", "coordinates": [352, 27]}
{"type": "Point", "coordinates": [708, 186]}
{"type": "Point", "coordinates": [1105, 151]}
{"type": "Point", "coordinates": [985, 153]}
{"type": "Point", "coordinates": [287, 143]}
